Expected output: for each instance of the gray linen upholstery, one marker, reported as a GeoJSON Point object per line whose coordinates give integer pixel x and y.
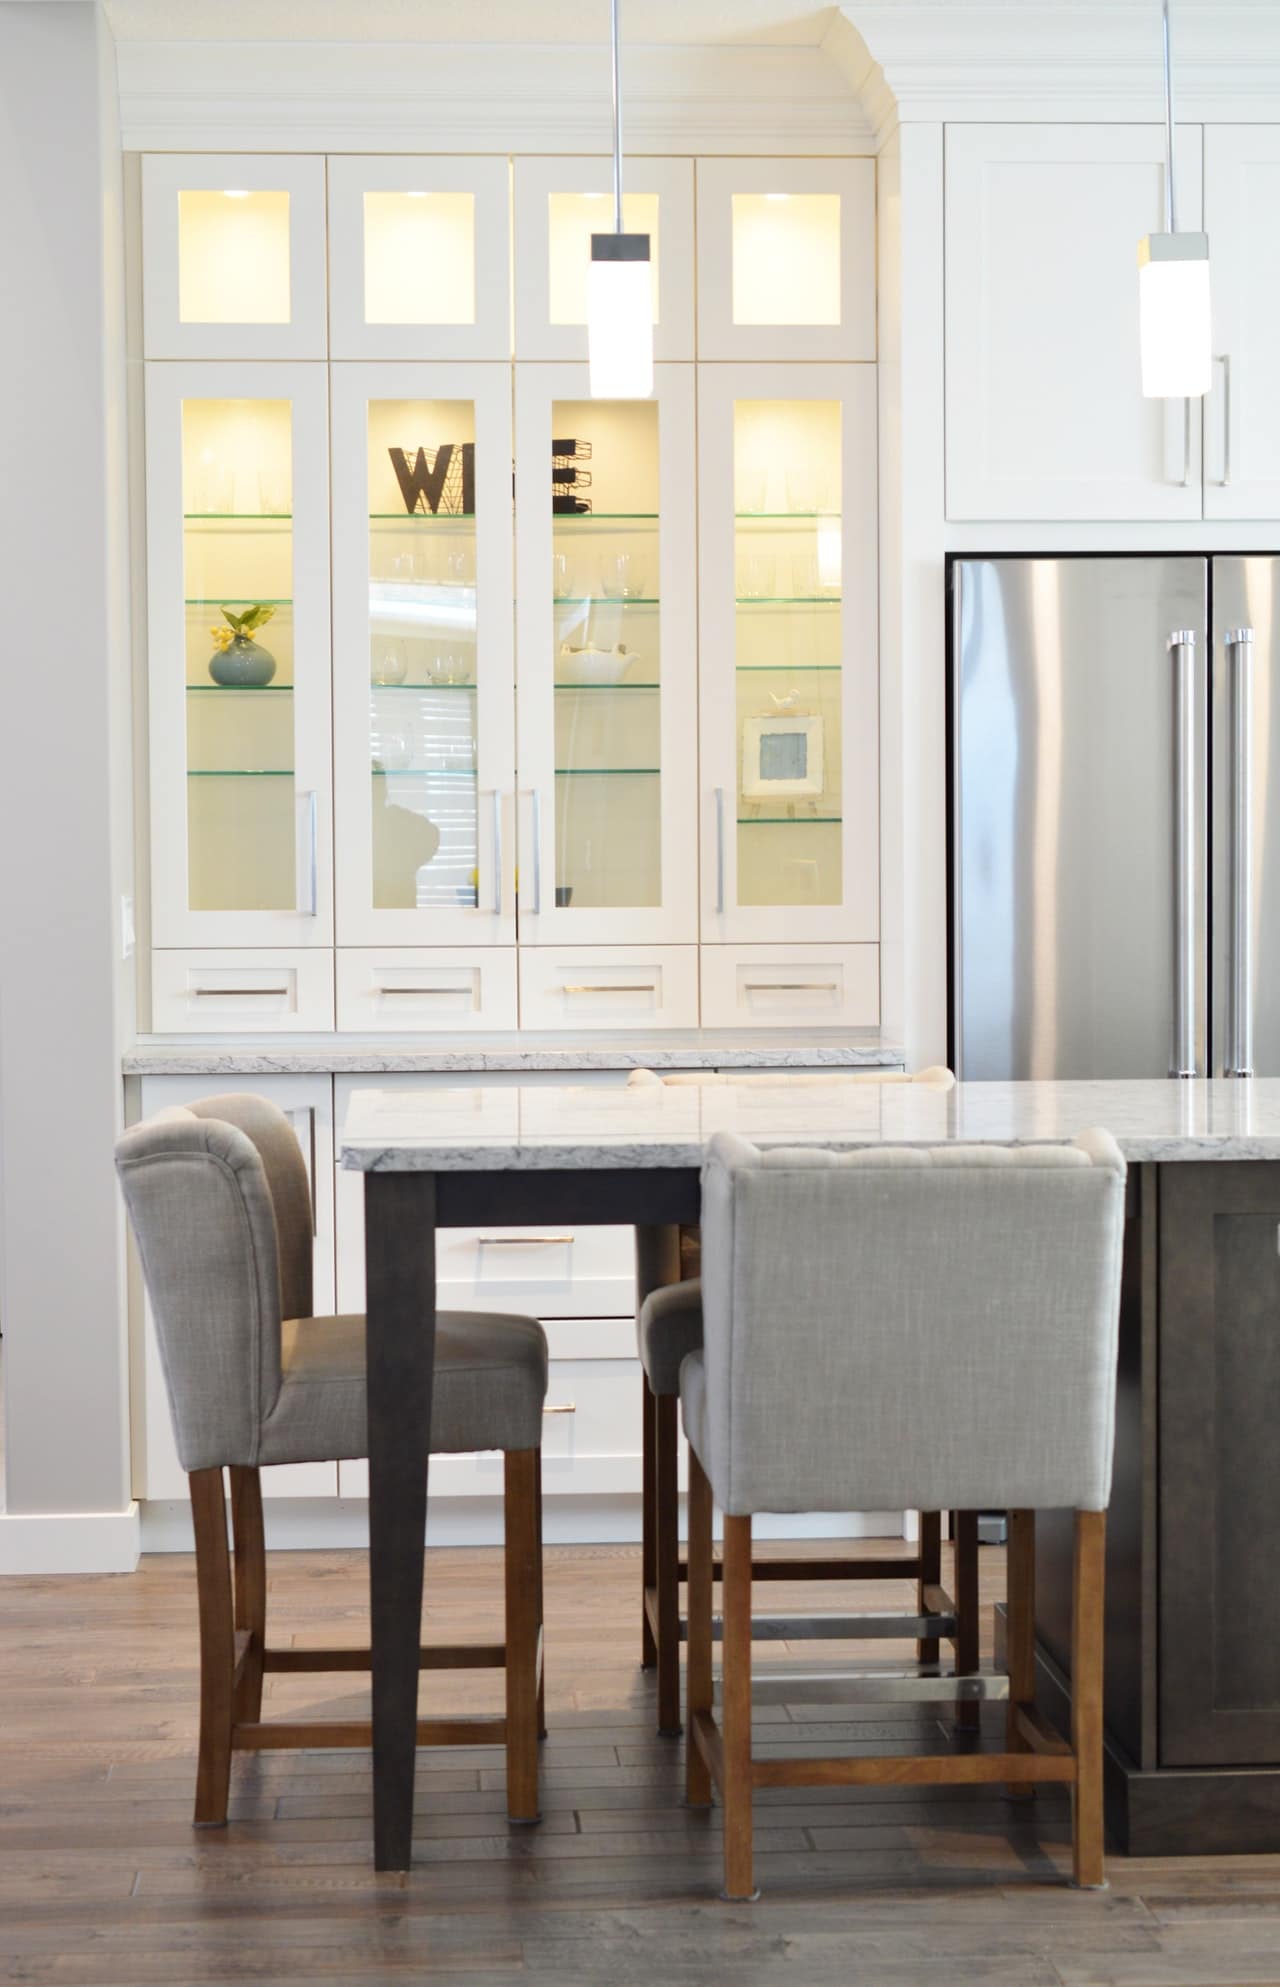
{"type": "Point", "coordinates": [668, 1328]}
{"type": "Point", "coordinates": [893, 1328]}
{"type": "Point", "coordinates": [247, 1383]}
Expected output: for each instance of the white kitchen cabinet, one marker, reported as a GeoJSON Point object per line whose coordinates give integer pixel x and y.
{"type": "Point", "coordinates": [1045, 414]}
{"type": "Point", "coordinates": [235, 992]}
{"type": "Point", "coordinates": [788, 629]}
{"type": "Point", "coordinates": [1242, 413]}
{"type": "Point", "coordinates": [790, 986]}
{"type": "Point", "coordinates": [423, 705]}
{"type": "Point", "coordinates": [396, 989]}
{"type": "Point", "coordinates": [786, 259]}
{"type": "Point", "coordinates": [420, 260]}
{"type": "Point", "coordinates": [308, 1102]}
{"type": "Point", "coordinates": [559, 205]}
{"type": "Point", "coordinates": [233, 257]}
{"type": "Point", "coordinates": [615, 986]}
{"type": "Point", "coordinates": [240, 745]}
{"type": "Point", "coordinates": [607, 640]}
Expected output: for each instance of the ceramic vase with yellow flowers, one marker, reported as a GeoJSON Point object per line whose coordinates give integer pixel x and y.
{"type": "Point", "coordinates": [238, 662]}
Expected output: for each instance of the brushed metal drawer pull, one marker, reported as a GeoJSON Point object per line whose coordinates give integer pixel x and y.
{"type": "Point", "coordinates": [235, 993]}
{"type": "Point", "coordinates": [647, 986]}
{"type": "Point", "coordinates": [561, 1407]}
{"type": "Point", "coordinates": [416, 991]}
{"type": "Point", "coordinates": [791, 986]}
{"type": "Point", "coordinates": [522, 1241]}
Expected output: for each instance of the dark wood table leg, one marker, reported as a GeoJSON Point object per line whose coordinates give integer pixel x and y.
{"type": "Point", "coordinates": [400, 1284]}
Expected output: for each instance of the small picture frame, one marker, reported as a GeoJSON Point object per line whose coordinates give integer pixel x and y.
{"type": "Point", "coordinates": [781, 757]}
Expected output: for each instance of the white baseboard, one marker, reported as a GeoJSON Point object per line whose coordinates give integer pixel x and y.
{"type": "Point", "coordinates": [70, 1541]}
{"type": "Point", "coordinates": [300, 1524]}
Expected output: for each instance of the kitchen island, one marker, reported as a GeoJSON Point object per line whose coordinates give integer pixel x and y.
{"type": "Point", "coordinates": [1193, 1622]}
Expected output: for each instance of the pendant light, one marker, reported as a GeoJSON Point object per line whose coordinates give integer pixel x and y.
{"type": "Point", "coordinates": [619, 298]}
{"type": "Point", "coordinates": [1174, 328]}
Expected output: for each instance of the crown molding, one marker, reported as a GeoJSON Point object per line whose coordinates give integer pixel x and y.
{"type": "Point", "coordinates": [937, 61]}
{"type": "Point", "coordinates": [412, 97]}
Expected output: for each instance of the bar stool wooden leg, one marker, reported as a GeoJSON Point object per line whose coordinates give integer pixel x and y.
{"type": "Point", "coordinates": [542, 1613]}
{"type": "Point", "coordinates": [217, 1646]}
{"type": "Point", "coordinates": [648, 1519]}
{"type": "Point", "coordinates": [250, 1576]}
{"type": "Point", "coordinates": [521, 1529]}
{"type": "Point", "coordinates": [667, 1543]}
{"type": "Point", "coordinates": [739, 1885]}
{"type": "Point", "coordinates": [1087, 1605]}
{"type": "Point", "coordinates": [697, 1776]}
{"type": "Point", "coordinates": [930, 1575]}
{"type": "Point", "coordinates": [1020, 1634]}
{"type": "Point", "coordinates": [966, 1597]}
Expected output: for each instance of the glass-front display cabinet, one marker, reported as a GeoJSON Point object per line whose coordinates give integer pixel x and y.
{"type": "Point", "coordinates": [233, 257]}
{"type": "Point", "coordinates": [788, 615]}
{"type": "Point", "coordinates": [559, 205]}
{"type": "Point", "coordinates": [786, 259]}
{"type": "Point", "coordinates": [606, 640]}
{"type": "Point", "coordinates": [238, 615]}
{"type": "Point", "coordinates": [419, 258]}
{"type": "Point", "coordinates": [423, 694]}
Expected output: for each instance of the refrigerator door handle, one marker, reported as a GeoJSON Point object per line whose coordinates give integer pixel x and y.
{"type": "Point", "coordinates": [1182, 647]}
{"type": "Point", "coordinates": [1238, 1060]}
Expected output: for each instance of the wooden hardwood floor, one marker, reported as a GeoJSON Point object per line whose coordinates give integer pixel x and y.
{"type": "Point", "coordinates": [103, 1882]}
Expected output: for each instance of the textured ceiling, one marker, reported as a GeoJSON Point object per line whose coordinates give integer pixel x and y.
{"type": "Point", "coordinates": [701, 22]}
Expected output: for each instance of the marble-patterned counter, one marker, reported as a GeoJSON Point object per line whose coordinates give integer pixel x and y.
{"type": "Point", "coordinates": [427, 1055]}
{"type": "Point", "coordinates": [563, 1126]}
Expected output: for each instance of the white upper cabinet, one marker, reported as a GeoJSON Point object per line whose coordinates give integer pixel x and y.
{"type": "Point", "coordinates": [786, 259]}
{"type": "Point", "coordinates": [788, 616]}
{"type": "Point", "coordinates": [423, 704]}
{"type": "Point", "coordinates": [420, 258]}
{"type": "Point", "coordinates": [1242, 414]}
{"type": "Point", "coordinates": [238, 636]}
{"type": "Point", "coordinates": [559, 205]}
{"type": "Point", "coordinates": [1045, 413]}
{"type": "Point", "coordinates": [607, 641]}
{"type": "Point", "coordinates": [233, 257]}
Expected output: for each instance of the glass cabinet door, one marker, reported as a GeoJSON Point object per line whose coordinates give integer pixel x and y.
{"type": "Point", "coordinates": [607, 659]}
{"type": "Point", "coordinates": [425, 764]}
{"type": "Point", "coordinates": [559, 205]}
{"type": "Point", "coordinates": [786, 259]}
{"type": "Point", "coordinates": [233, 257]}
{"type": "Point", "coordinates": [789, 673]}
{"type": "Point", "coordinates": [420, 255]}
{"type": "Point", "coordinates": [237, 578]}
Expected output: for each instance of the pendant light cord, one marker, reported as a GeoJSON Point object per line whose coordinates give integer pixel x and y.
{"type": "Point", "coordinates": [617, 116]}
{"type": "Point", "coordinates": [1170, 203]}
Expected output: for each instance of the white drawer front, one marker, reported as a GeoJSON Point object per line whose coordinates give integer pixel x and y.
{"type": "Point", "coordinates": [618, 986]}
{"type": "Point", "coordinates": [233, 992]}
{"type": "Point", "coordinates": [402, 987]}
{"type": "Point", "coordinates": [788, 986]}
{"type": "Point", "coordinates": [590, 1439]}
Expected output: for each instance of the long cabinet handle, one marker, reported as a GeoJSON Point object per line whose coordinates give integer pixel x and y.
{"type": "Point", "coordinates": [309, 854]}
{"type": "Point", "coordinates": [561, 1407]}
{"type": "Point", "coordinates": [791, 986]}
{"type": "Point", "coordinates": [720, 851]}
{"type": "Point", "coordinates": [1238, 1060]}
{"type": "Point", "coordinates": [537, 852]}
{"type": "Point", "coordinates": [1224, 360]}
{"type": "Point", "coordinates": [419, 992]}
{"type": "Point", "coordinates": [1182, 647]}
{"type": "Point", "coordinates": [497, 852]}
{"type": "Point", "coordinates": [238, 993]}
{"type": "Point", "coordinates": [1186, 443]}
{"type": "Point", "coordinates": [643, 986]}
{"type": "Point", "coordinates": [523, 1241]}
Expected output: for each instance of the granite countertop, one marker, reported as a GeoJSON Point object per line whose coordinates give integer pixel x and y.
{"type": "Point", "coordinates": [515, 1128]}
{"type": "Point", "coordinates": [356, 1055]}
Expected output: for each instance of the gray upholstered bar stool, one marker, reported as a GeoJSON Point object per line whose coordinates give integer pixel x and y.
{"type": "Point", "coordinates": [1001, 1264]}
{"type": "Point", "coordinates": [669, 1325]}
{"type": "Point", "coordinates": [220, 1205]}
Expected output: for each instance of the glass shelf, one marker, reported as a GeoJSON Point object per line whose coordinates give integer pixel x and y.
{"type": "Point", "coordinates": [240, 773]}
{"type": "Point", "coordinates": [239, 689]}
{"type": "Point", "coordinates": [602, 517]}
{"type": "Point", "coordinates": [787, 600]}
{"type": "Point", "coordinates": [420, 687]}
{"type": "Point", "coordinates": [789, 820]}
{"type": "Point", "coordinates": [788, 668]}
{"type": "Point", "coordinates": [606, 686]}
{"type": "Point", "coordinates": [787, 517]}
{"type": "Point", "coordinates": [422, 517]}
{"type": "Point", "coordinates": [237, 600]}
{"type": "Point", "coordinates": [423, 773]}
{"type": "Point", "coordinates": [607, 600]}
{"type": "Point", "coordinates": [237, 517]}
{"type": "Point", "coordinates": [606, 772]}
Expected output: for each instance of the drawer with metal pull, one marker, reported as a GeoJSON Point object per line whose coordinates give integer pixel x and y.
{"type": "Point", "coordinates": [241, 992]}
{"type": "Point", "coordinates": [398, 988]}
{"type": "Point", "coordinates": [614, 986]}
{"type": "Point", "coordinates": [789, 986]}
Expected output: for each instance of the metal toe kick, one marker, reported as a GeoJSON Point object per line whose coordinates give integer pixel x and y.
{"type": "Point", "coordinates": [841, 1628]}
{"type": "Point", "coordinates": [927, 1684]}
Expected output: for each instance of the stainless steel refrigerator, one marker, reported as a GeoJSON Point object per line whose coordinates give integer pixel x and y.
{"type": "Point", "coordinates": [1115, 816]}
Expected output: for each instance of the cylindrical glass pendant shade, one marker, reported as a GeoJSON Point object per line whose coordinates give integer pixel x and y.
{"type": "Point", "coordinates": [1174, 322]}
{"type": "Point", "coordinates": [620, 318]}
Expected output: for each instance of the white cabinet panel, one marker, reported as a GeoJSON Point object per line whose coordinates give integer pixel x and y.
{"type": "Point", "coordinates": [420, 257]}
{"type": "Point", "coordinates": [625, 986]}
{"type": "Point", "coordinates": [238, 992]}
{"type": "Point", "coordinates": [395, 989]}
{"type": "Point", "coordinates": [1045, 413]}
{"type": "Point", "coordinates": [1242, 414]}
{"type": "Point", "coordinates": [308, 1102]}
{"type": "Point", "coordinates": [790, 986]}
{"type": "Point", "coordinates": [786, 259]}
{"type": "Point", "coordinates": [559, 204]}
{"type": "Point", "coordinates": [233, 257]}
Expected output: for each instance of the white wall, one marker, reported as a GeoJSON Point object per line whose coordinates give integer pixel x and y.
{"type": "Point", "coordinates": [64, 786]}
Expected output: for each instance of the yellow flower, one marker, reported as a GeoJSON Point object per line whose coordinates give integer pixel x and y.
{"type": "Point", "coordinates": [222, 637]}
